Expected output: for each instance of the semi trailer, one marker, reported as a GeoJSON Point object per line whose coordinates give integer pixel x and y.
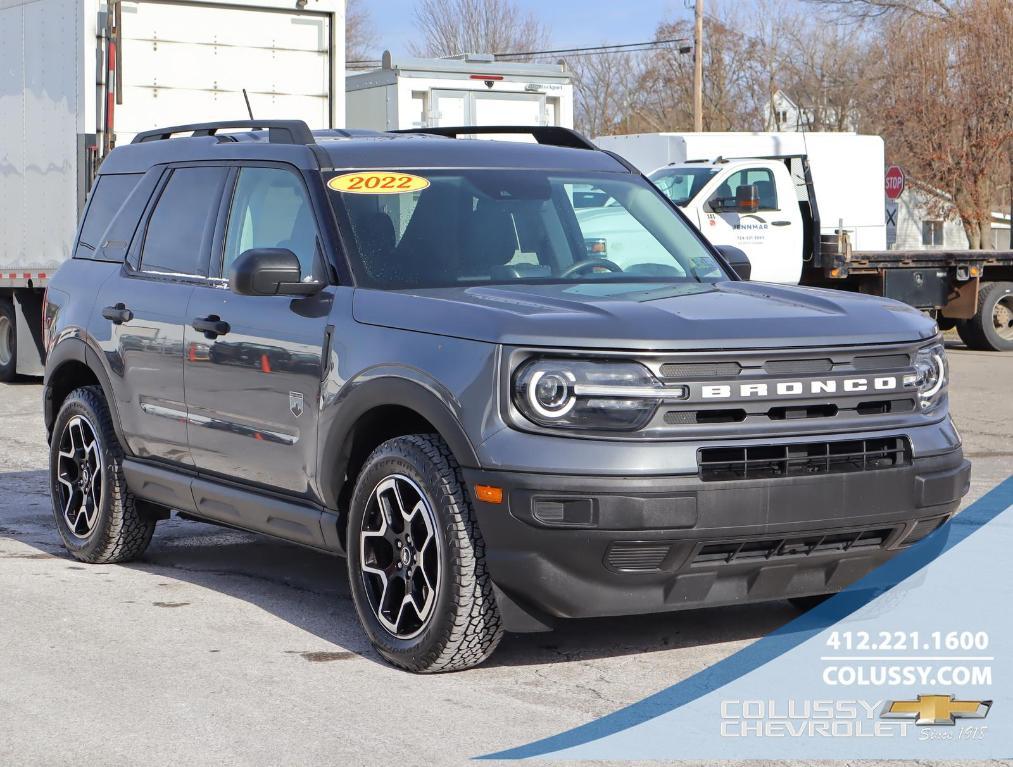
{"type": "Point", "coordinates": [78, 77]}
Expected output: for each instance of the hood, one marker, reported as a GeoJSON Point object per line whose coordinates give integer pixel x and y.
{"type": "Point", "coordinates": [698, 316]}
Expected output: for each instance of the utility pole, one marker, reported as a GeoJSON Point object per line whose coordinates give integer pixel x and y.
{"type": "Point", "coordinates": [698, 68]}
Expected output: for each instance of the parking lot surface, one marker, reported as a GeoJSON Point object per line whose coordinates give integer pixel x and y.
{"type": "Point", "coordinates": [226, 648]}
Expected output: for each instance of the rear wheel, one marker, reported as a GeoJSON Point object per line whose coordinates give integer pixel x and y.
{"type": "Point", "coordinates": [991, 329]}
{"type": "Point", "coordinates": [97, 516]}
{"type": "Point", "coordinates": [416, 562]}
{"type": "Point", "coordinates": [8, 341]}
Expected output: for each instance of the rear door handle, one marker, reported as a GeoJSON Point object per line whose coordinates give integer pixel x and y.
{"type": "Point", "coordinates": [780, 223]}
{"type": "Point", "coordinates": [117, 314]}
{"type": "Point", "coordinates": [212, 326]}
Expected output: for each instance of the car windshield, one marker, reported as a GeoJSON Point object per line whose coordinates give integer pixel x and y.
{"type": "Point", "coordinates": [438, 228]}
{"type": "Point", "coordinates": [681, 184]}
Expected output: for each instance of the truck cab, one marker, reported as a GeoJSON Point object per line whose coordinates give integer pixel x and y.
{"type": "Point", "coordinates": [749, 204]}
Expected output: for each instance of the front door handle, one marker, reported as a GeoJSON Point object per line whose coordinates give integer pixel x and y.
{"type": "Point", "coordinates": [780, 223]}
{"type": "Point", "coordinates": [212, 326]}
{"type": "Point", "coordinates": [117, 314]}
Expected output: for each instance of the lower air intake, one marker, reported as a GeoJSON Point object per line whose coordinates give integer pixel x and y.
{"type": "Point", "coordinates": [801, 546]}
{"type": "Point", "coordinates": [636, 556]}
{"type": "Point", "coordinates": [721, 464]}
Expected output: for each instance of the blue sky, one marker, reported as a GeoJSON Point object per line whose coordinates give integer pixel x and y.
{"type": "Point", "coordinates": [571, 22]}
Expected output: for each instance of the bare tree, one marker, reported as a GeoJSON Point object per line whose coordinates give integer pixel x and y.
{"type": "Point", "coordinates": [453, 27]}
{"type": "Point", "coordinates": [360, 36]}
{"type": "Point", "coordinates": [875, 9]}
{"type": "Point", "coordinates": [828, 73]}
{"type": "Point", "coordinates": [946, 107]}
{"type": "Point", "coordinates": [605, 86]}
{"type": "Point", "coordinates": [664, 92]}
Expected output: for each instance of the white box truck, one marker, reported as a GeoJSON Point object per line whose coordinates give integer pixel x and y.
{"type": "Point", "coordinates": [79, 76]}
{"type": "Point", "coordinates": [468, 90]}
{"type": "Point", "coordinates": [810, 209]}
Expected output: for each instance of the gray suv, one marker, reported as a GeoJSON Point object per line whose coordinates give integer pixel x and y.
{"type": "Point", "coordinates": [407, 349]}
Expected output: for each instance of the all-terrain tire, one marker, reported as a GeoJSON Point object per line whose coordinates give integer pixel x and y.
{"type": "Point", "coordinates": [995, 305]}
{"type": "Point", "coordinates": [120, 531]}
{"type": "Point", "coordinates": [464, 626]}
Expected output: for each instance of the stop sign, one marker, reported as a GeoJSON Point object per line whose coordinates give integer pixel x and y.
{"type": "Point", "coordinates": [894, 182]}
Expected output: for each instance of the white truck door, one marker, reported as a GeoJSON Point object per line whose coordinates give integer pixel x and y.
{"type": "Point", "coordinates": [772, 234]}
{"type": "Point", "coordinates": [187, 63]}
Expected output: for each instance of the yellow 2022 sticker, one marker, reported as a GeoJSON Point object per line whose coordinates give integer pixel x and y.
{"type": "Point", "coordinates": [378, 182]}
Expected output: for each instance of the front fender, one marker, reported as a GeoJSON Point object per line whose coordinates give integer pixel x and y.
{"type": "Point", "coordinates": [402, 387]}
{"type": "Point", "coordinates": [73, 350]}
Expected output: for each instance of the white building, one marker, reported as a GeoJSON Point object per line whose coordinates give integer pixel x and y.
{"type": "Point", "coordinates": [916, 221]}
{"type": "Point", "coordinates": [783, 114]}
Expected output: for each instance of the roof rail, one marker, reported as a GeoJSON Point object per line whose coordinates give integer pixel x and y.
{"type": "Point", "coordinates": [552, 135]}
{"type": "Point", "coordinates": [278, 131]}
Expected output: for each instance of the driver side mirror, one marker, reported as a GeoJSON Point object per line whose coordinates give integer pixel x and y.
{"type": "Point", "coordinates": [737, 260]}
{"type": "Point", "coordinates": [269, 272]}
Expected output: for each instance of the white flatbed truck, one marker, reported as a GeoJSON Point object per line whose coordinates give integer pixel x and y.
{"type": "Point", "coordinates": [809, 209]}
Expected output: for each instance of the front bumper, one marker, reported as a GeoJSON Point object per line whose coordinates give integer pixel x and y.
{"type": "Point", "coordinates": [577, 546]}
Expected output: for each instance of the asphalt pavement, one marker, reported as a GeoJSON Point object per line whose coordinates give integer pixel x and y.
{"type": "Point", "coordinates": [225, 648]}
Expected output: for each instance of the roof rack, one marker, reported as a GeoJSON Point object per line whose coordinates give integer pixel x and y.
{"type": "Point", "coordinates": [552, 135]}
{"type": "Point", "coordinates": [278, 131]}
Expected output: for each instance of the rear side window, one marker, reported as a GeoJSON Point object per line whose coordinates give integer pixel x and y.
{"type": "Point", "coordinates": [179, 227]}
{"type": "Point", "coordinates": [107, 197]}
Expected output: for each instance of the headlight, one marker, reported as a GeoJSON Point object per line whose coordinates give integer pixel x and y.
{"type": "Point", "coordinates": [931, 376]}
{"type": "Point", "coordinates": [577, 394]}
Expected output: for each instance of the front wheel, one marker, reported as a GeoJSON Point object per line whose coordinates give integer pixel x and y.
{"type": "Point", "coordinates": [416, 563]}
{"type": "Point", "coordinates": [97, 516]}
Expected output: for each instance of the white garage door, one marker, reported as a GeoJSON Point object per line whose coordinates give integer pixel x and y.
{"type": "Point", "coordinates": [186, 63]}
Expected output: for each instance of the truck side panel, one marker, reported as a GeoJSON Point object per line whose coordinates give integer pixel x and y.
{"type": "Point", "coordinates": [190, 63]}
{"type": "Point", "coordinates": [39, 104]}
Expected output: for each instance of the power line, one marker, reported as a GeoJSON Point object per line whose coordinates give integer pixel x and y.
{"type": "Point", "coordinates": [589, 50]}
{"type": "Point", "coordinates": [595, 49]}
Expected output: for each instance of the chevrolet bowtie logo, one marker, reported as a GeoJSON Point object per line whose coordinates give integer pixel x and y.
{"type": "Point", "coordinates": [936, 709]}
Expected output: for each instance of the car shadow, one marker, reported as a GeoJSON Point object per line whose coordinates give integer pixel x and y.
{"type": "Point", "coordinates": [309, 589]}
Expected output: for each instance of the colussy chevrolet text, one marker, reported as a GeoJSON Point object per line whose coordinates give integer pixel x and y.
{"type": "Point", "coordinates": [403, 349]}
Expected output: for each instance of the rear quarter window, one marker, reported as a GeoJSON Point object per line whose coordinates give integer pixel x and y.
{"type": "Point", "coordinates": [107, 197]}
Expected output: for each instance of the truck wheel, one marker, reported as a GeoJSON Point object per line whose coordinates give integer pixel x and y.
{"type": "Point", "coordinates": [416, 562]}
{"type": "Point", "coordinates": [8, 342]}
{"type": "Point", "coordinates": [991, 329]}
{"type": "Point", "coordinates": [97, 516]}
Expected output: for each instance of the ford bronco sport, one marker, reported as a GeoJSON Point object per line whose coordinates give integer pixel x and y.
{"type": "Point", "coordinates": [402, 348]}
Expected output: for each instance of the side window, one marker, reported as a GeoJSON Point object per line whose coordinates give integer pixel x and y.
{"type": "Point", "coordinates": [761, 178]}
{"type": "Point", "coordinates": [106, 198]}
{"type": "Point", "coordinates": [180, 223]}
{"type": "Point", "coordinates": [270, 209]}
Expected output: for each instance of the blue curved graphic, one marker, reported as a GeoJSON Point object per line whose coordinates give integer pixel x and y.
{"type": "Point", "coordinates": [784, 639]}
